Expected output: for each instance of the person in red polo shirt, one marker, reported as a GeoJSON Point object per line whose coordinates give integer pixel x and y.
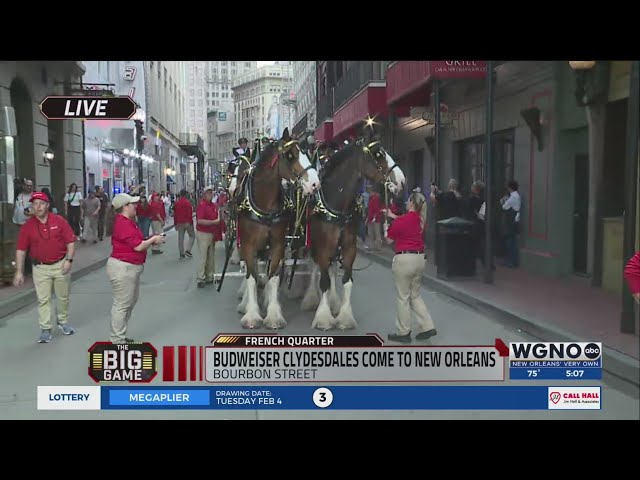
{"type": "Point", "coordinates": [158, 217]}
{"type": "Point", "coordinates": [374, 219]}
{"type": "Point", "coordinates": [632, 276]}
{"type": "Point", "coordinates": [408, 267]}
{"type": "Point", "coordinates": [183, 221]}
{"type": "Point", "coordinates": [207, 233]}
{"type": "Point", "coordinates": [51, 243]}
{"type": "Point", "coordinates": [126, 263]}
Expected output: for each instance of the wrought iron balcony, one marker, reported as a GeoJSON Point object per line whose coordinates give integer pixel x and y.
{"type": "Point", "coordinates": [191, 140]}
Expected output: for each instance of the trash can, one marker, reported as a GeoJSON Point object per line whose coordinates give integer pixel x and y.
{"type": "Point", "coordinates": [456, 254]}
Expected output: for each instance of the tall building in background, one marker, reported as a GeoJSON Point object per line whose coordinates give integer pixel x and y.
{"type": "Point", "coordinates": [304, 88]}
{"type": "Point", "coordinates": [258, 96]}
{"type": "Point", "coordinates": [165, 122]}
{"type": "Point", "coordinates": [196, 107]}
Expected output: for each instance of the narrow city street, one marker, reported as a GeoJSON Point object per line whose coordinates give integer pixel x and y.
{"type": "Point", "coordinates": [173, 311]}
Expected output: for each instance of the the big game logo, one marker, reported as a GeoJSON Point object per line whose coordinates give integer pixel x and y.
{"type": "Point", "coordinates": [131, 362]}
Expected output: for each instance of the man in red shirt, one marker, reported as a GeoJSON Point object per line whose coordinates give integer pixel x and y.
{"type": "Point", "coordinates": [632, 276]}
{"type": "Point", "coordinates": [126, 264]}
{"type": "Point", "coordinates": [408, 267]}
{"type": "Point", "coordinates": [207, 233]}
{"type": "Point", "coordinates": [183, 220]}
{"type": "Point", "coordinates": [51, 244]}
{"type": "Point", "coordinates": [158, 217]}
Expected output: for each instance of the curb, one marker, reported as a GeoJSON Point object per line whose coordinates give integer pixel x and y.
{"type": "Point", "coordinates": [615, 363]}
{"type": "Point", "coordinates": [28, 297]}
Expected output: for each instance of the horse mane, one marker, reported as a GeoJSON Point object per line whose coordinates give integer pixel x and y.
{"type": "Point", "coordinates": [266, 153]}
{"type": "Point", "coordinates": [337, 159]}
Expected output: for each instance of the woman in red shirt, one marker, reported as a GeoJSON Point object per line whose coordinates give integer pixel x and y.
{"type": "Point", "coordinates": [408, 267]}
{"type": "Point", "coordinates": [208, 232]}
{"type": "Point", "coordinates": [632, 276]}
{"type": "Point", "coordinates": [158, 217]}
{"type": "Point", "coordinates": [143, 212]}
{"type": "Point", "coordinates": [126, 264]}
{"type": "Point", "coordinates": [374, 219]}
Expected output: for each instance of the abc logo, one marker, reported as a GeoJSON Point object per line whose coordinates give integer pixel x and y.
{"type": "Point", "coordinates": [592, 351]}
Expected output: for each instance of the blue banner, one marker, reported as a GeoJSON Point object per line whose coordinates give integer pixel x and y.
{"type": "Point", "coordinates": [555, 373]}
{"type": "Point", "coordinates": [441, 397]}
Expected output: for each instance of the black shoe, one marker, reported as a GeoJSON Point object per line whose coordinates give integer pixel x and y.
{"type": "Point", "coordinates": [156, 252]}
{"type": "Point", "coordinates": [394, 337]}
{"type": "Point", "coordinates": [188, 254]}
{"type": "Point", "coordinates": [200, 284]}
{"type": "Point", "coordinates": [427, 335]}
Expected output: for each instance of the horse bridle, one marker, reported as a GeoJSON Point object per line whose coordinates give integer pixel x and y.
{"type": "Point", "coordinates": [286, 150]}
{"type": "Point", "coordinates": [375, 157]}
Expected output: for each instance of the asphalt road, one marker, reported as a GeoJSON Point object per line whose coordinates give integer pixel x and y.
{"type": "Point", "coordinates": [173, 311]}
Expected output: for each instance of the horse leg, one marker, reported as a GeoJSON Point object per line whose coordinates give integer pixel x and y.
{"type": "Point", "coordinates": [345, 319]}
{"type": "Point", "coordinates": [274, 318]}
{"type": "Point", "coordinates": [242, 289]}
{"type": "Point", "coordinates": [334, 298]}
{"type": "Point", "coordinates": [252, 317]}
{"type": "Point", "coordinates": [323, 318]}
{"type": "Point", "coordinates": [311, 298]}
{"type": "Point", "coordinates": [235, 257]}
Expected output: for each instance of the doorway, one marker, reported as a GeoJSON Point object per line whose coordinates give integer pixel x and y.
{"type": "Point", "coordinates": [417, 169]}
{"type": "Point", "coordinates": [24, 145]}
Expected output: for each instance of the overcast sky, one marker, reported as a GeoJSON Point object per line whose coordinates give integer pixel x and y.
{"type": "Point", "coordinates": [260, 64]}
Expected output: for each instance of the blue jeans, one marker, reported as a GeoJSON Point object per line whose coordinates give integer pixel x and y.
{"type": "Point", "coordinates": [513, 251]}
{"type": "Point", "coordinates": [144, 224]}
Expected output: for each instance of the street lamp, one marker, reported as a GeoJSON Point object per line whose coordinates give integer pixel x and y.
{"type": "Point", "coordinates": [167, 171]}
{"type": "Point", "coordinates": [48, 155]}
{"type": "Point", "coordinates": [138, 118]}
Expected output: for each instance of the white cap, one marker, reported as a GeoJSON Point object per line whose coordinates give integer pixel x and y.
{"type": "Point", "coordinates": [122, 199]}
{"type": "Point", "coordinates": [210, 187]}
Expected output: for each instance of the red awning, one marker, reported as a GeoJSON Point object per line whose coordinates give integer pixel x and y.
{"type": "Point", "coordinates": [324, 132]}
{"type": "Point", "coordinates": [370, 102]}
{"type": "Point", "coordinates": [409, 85]}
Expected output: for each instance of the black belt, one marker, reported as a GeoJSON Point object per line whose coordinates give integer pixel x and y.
{"type": "Point", "coordinates": [38, 262]}
{"type": "Point", "coordinates": [416, 252]}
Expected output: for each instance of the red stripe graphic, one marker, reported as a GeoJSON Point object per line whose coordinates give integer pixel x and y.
{"type": "Point", "coordinates": [182, 363]}
{"type": "Point", "coordinates": [168, 357]}
{"type": "Point", "coordinates": [201, 362]}
{"type": "Point", "coordinates": [193, 364]}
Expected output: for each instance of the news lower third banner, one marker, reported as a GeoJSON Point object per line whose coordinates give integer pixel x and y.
{"type": "Point", "coordinates": [303, 397]}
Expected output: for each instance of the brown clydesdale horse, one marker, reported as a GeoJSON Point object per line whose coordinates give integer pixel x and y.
{"type": "Point", "coordinates": [335, 222]}
{"type": "Point", "coordinates": [263, 220]}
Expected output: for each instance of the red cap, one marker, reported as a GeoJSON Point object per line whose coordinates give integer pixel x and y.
{"type": "Point", "coordinates": [39, 196]}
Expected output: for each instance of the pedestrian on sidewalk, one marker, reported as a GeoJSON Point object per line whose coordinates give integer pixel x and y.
{"type": "Point", "coordinates": [158, 217]}
{"type": "Point", "coordinates": [72, 208]}
{"type": "Point", "coordinates": [511, 205]}
{"type": "Point", "coordinates": [183, 221]}
{"type": "Point", "coordinates": [51, 244]}
{"type": "Point", "coordinates": [143, 214]}
{"type": "Point", "coordinates": [632, 276]}
{"type": "Point", "coordinates": [408, 266]}
{"type": "Point", "coordinates": [23, 210]}
{"type": "Point", "coordinates": [104, 206]}
{"type": "Point", "coordinates": [126, 264]}
{"type": "Point", "coordinates": [207, 234]}
{"type": "Point", "coordinates": [90, 212]}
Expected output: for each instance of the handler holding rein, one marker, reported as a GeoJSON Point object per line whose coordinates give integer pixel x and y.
{"type": "Point", "coordinates": [408, 267]}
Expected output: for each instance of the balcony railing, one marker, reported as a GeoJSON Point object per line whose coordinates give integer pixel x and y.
{"type": "Point", "coordinates": [192, 140]}
{"type": "Point", "coordinates": [355, 77]}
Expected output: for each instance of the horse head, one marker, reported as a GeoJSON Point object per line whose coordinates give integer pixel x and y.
{"type": "Point", "coordinates": [379, 166]}
{"type": "Point", "coordinates": [294, 164]}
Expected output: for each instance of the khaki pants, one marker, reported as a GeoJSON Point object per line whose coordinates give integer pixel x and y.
{"type": "Point", "coordinates": [157, 228]}
{"type": "Point", "coordinates": [207, 247]}
{"type": "Point", "coordinates": [48, 278]}
{"type": "Point", "coordinates": [375, 235]}
{"type": "Point", "coordinates": [407, 272]}
{"type": "Point", "coordinates": [90, 231]}
{"type": "Point", "coordinates": [181, 228]}
{"type": "Point", "coordinates": [125, 282]}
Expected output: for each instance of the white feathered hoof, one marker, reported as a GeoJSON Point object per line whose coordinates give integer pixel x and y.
{"type": "Point", "coordinates": [274, 321]}
{"type": "Point", "coordinates": [323, 319]}
{"type": "Point", "coordinates": [242, 306]}
{"type": "Point", "coordinates": [345, 320]}
{"type": "Point", "coordinates": [251, 320]}
{"type": "Point", "coordinates": [334, 302]}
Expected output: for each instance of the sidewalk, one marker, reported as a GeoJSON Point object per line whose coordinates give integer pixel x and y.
{"type": "Point", "coordinates": [89, 257]}
{"type": "Point", "coordinates": [551, 309]}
